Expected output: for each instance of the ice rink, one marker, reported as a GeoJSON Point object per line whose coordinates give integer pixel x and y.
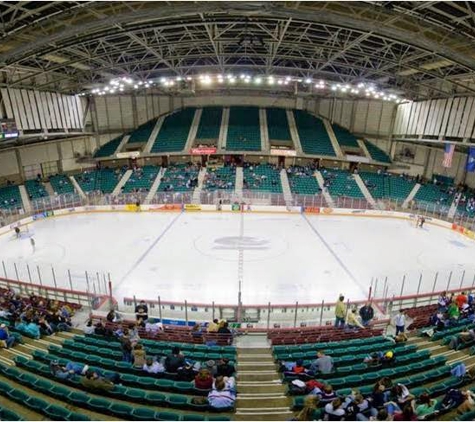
{"type": "Point", "coordinates": [201, 256]}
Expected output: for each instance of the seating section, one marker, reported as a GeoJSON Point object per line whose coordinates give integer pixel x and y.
{"type": "Point", "coordinates": [108, 148]}
{"type": "Point", "coordinates": [344, 137]}
{"type": "Point", "coordinates": [341, 183]}
{"type": "Point", "coordinates": [61, 184]}
{"type": "Point", "coordinates": [277, 124]}
{"type": "Point", "coordinates": [313, 134]}
{"type": "Point", "coordinates": [103, 180]}
{"type": "Point", "coordinates": [244, 132]}
{"type": "Point", "coordinates": [142, 133]}
{"type": "Point", "coordinates": [10, 197]}
{"type": "Point", "coordinates": [262, 177]}
{"type": "Point", "coordinates": [220, 178]}
{"type": "Point", "coordinates": [376, 153]}
{"type": "Point", "coordinates": [302, 180]}
{"type": "Point", "coordinates": [174, 132]}
{"type": "Point", "coordinates": [435, 194]}
{"type": "Point", "coordinates": [179, 178]}
{"type": "Point", "coordinates": [141, 179]}
{"type": "Point", "coordinates": [35, 189]}
{"type": "Point", "coordinates": [210, 124]}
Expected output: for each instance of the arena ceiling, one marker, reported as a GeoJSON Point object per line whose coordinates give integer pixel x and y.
{"type": "Point", "coordinates": [417, 49]}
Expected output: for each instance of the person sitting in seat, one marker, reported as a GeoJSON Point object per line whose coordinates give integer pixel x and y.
{"type": "Point", "coordinates": [174, 360]}
{"type": "Point", "coordinates": [221, 397]}
{"type": "Point", "coordinates": [427, 406]}
{"type": "Point", "coordinates": [225, 368]}
{"type": "Point", "coordinates": [323, 364]}
{"type": "Point", "coordinates": [66, 372]}
{"type": "Point", "coordinates": [94, 381]}
{"type": "Point", "coordinates": [5, 336]}
{"type": "Point", "coordinates": [204, 380]}
{"type": "Point", "coordinates": [152, 366]}
{"type": "Point", "coordinates": [465, 336]}
{"type": "Point", "coordinates": [298, 368]}
{"type": "Point", "coordinates": [334, 410]}
{"type": "Point", "coordinates": [139, 356]}
{"type": "Point", "coordinates": [328, 394]}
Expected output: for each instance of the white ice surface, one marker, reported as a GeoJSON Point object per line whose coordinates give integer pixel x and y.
{"type": "Point", "coordinates": [195, 256]}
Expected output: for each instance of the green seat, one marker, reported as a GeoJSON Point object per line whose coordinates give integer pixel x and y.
{"type": "Point", "coordinates": [37, 403]}
{"type": "Point", "coordinates": [99, 404]}
{"type": "Point", "coordinates": [183, 387]}
{"type": "Point", "coordinates": [135, 394]}
{"type": "Point", "coordinates": [129, 379]}
{"type": "Point", "coordinates": [164, 384]}
{"type": "Point", "coordinates": [193, 417]}
{"type": "Point", "coordinates": [4, 387]}
{"type": "Point", "coordinates": [146, 382]}
{"type": "Point", "coordinates": [122, 365]}
{"type": "Point", "coordinates": [9, 415]}
{"type": "Point", "coordinates": [60, 391]}
{"type": "Point", "coordinates": [57, 413]}
{"type": "Point", "coordinates": [78, 398]}
{"type": "Point", "coordinates": [121, 409]}
{"type": "Point", "coordinates": [18, 395]}
{"type": "Point", "coordinates": [44, 385]}
{"type": "Point", "coordinates": [225, 418]}
{"type": "Point", "coordinates": [157, 399]}
{"type": "Point", "coordinates": [167, 416]}
{"type": "Point", "coordinates": [177, 401]}
{"type": "Point", "coordinates": [21, 359]}
{"type": "Point", "coordinates": [143, 414]}
{"type": "Point", "coordinates": [33, 364]}
{"type": "Point", "coordinates": [78, 417]}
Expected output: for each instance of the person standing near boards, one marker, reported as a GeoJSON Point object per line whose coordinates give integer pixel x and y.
{"type": "Point", "coordinates": [32, 241]}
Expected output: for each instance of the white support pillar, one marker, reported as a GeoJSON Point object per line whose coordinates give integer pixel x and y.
{"type": "Point", "coordinates": [294, 132]}
{"type": "Point", "coordinates": [284, 180]}
{"type": "Point", "coordinates": [199, 187]}
{"type": "Point", "coordinates": [125, 139]}
{"type": "Point", "coordinates": [364, 149]}
{"type": "Point", "coordinates": [412, 194]}
{"type": "Point", "coordinates": [239, 181]}
{"type": "Point", "coordinates": [223, 130]}
{"type": "Point", "coordinates": [153, 135]}
{"type": "Point", "coordinates": [193, 130]}
{"type": "Point", "coordinates": [25, 198]}
{"type": "Point", "coordinates": [333, 139]}
{"type": "Point", "coordinates": [122, 182]}
{"type": "Point", "coordinates": [77, 187]}
{"type": "Point", "coordinates": [265, 144]}
{"type": "Point", "coordinates": [155, 186]}
{"type": "Point", "coordinates": [325, 192]}
{"type": "Point", "coordinates": [364, 190]}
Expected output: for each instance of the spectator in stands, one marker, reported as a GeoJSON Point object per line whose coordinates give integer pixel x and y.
{"type": "Point", "coordinates": [468, 403]}
{"type": "Point", "coordinates": [141, 311]}
{"type": "Point", "coordinates": [340, 312]}
{"type": "Point", "coordinates": [388, 358]}
{"type": "Point", "coordinates": [204, 380]}
{"type": "Point", "coordinates": [366, 314]}
{"type": "Point", "coordinates": [406, 414]}
{"type": "Point", "coordinates": [453, 312]}
{"type": "Point", "coordinates": [94, 381]}
{"type": "Point", "coordinates": [224, 328]}
{"type": "Point", "coordinates": [6, 338]}
{"type": "Point", "coordinates": [361, 407]}
{"type": "Point", "coordinates": [400, 321]}
{"type": "Point", "coordinates": [334, 410]}
{"type": "Point", "coordinates": [401, 394]}
{"type": "Point", "coordinates": [427, 406]}
{"type": "Point", "coordinates": [443, 302]}
{"type": "Point", "coordinates": [322, 365]}
{"type": "Point", "coordinates": [374, 359]}
{"type": "Point", "coordinates": [465, 336]}
{"type": "Point", "coordinates": [174, 360]}
{"type": "Point", "coordinates": [151, 366]}
{"type": "Point", "coordinates": [461, 300]}
{"type": "Point", "coordinates": [298, 368]}
{"type": "Point", "coordinates": [67, 372]}
{"type": "Point", "coordinates": [310, 407]}
{"type": "Point", "coordinates": [139, 356]}
{"type": "Point", "coordinates": [112, 316]}
{"type": "Point", "coordinates": [88, 328]}
{"type": "Point", "coordinates": [221, 397]}
{"type": "Point", "coordinates": [225, 368]}
{"type": "Point", "coordinates": [213, 326]}
{"type": "Point", "coordinates": [328, 394]}
{"type": "Point", "coordinates": [352, 320]}
{"type": "Point", "coordinates": [126, 347]}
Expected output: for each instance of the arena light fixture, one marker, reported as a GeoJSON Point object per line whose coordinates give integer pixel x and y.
{"type": "Point", "coordinates": [232, 79]}
{"type": "Point", "coordinates": [189, 78]}
{"type": "Point", "coordinates": [308, 81]}
{"type": "Point", "coordinates": [258, 80]}
{"type": "Point", "coordinates": [178, 78]}
{"type": "Point", "coordinates": [334, 88]}
{"type": "Point", "coordinates": [271, 80]}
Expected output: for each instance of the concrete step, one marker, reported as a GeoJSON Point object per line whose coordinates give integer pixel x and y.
{"type": "Point", "coordinates": [265, 416]}
{"type": "Point", "coordinates": [261, 389]}
{"type": "Point", "coordinates": [257, 366]}
{"type": "Point", "coordinates": [260, 376]}
{"type": "Point", "coordinates": [267, 402]}
{"type": "Point", "coordinates": [254, 351]}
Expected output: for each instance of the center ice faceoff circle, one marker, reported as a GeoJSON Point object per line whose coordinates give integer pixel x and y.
{"type": "Point", "coordinates": [227, 247]}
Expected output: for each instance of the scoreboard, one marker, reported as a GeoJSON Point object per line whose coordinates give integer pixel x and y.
{"type": "Point", "coordinates": [8, 129]}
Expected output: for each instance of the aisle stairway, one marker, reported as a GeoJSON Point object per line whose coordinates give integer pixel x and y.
{"type": "Point", "coordinates": [261, 395]}
{"type": "Point", "coordinates": [199, 187]}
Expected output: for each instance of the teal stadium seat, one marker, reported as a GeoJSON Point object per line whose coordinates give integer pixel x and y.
{"type": "Point", "coordinates": [104, 180]}
{"type": "Point", "coordinates": [244, 133]}
{"type": "Point", "coordinates": [61, 184]}
{"type": "Point", "coordinates": [35, 189]}
{"type": "Point", "coordinates": [108, 148]}
{"type": "Point", "coordinates": [174, 132]}
{"type": "Point", "coordinates": [10, 197]}
{"type": "Point", "coordinates": [376, 153]}
{"type": "Point", "coordinates": [177, 177]}
{"type": "Point", "coordinates": [141, 180]}
{"type": "Point", "coordinates": [142, 133]}
{"type": "Point", "coordinates": [210, 125]}
{"type": "Point", "coordinates": [277, 124]}
{"type": "Point", "coordinates": [344, 137]}
{"type": "Point", "coordinates": [220, 178]}
{"type": "Point", "coordinates": [262, 177]}
{"type": "Point", "coordinates": [313, 135]}
{"type": "Point", "coordinates": [341, 183]}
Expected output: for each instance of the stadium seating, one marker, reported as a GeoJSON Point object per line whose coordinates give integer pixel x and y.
{"type": "Point", "coordinates": [220, 178]}
{"type": "Point", "coordinates": [210, 124]}
{"type": "Point", "coordinates": [277, 124]}
{"type": "Point", "coordinates": [376, 153]}
{"type": "Point", "coordinates": [434, 194]}
{"type": "Point", "coordinates": [103, 180]}
{"type": "Point", "coordinates": [61, 184]}
{"type": "Point", "coordinates": [108, 148]}
{"type": "Point", "coordinates": [341, 183]}
{"type": "Point", "coordinates": [313, 134]}
{"type": "Point", "coordinates": [244, 132]}
{"type": "Point", "coordinates": [10, 197]}
{"type": "Point", "coordinates": [262, 177]}
{"type": "Point", "coordinates": [142, 133]}
{"type": "Point", "coordinates": [174, 132]}
{"type": "Point", "coordinates": [302, 180]}
{"type": "Point", "coordinates": [141, 179]}
{"type": "Point", "coordinates": [375, 183]}
{"type": "Point", "coordinates": [344, 137]}
{"type": "Point", "coordinates": [35, 189]}
{"type": "Point", "coordinates": [179, 178]}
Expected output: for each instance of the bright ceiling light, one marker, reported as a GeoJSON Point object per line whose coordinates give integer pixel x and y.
{"type": "Point", "coordinates": [136, 86]}
{"type": "Point", "coordinates": [271, 80]}
{"type": "Point", "coordinates": [163, 80]}
{"type": "Point", "coordinates": [308, 80]}
{"type": "Point", "coordinates": [178, 78]}
{"type": "Point", "coordinates": [106, 88]}
{"type": "Point", "coordinates": [232, 79]}
{"type": "Point", "coordinates": [258, 80]}
{"type": "Point", "coordinates": [361, 85]}
{"type": "Point", "coordinates": [334, 87]}
{"type": "Point", "coordinates": [280, 82]}
{"type": "Point", "coordinates": [189, 78]}
{"type": "Point", "coordinates": [288, 78]}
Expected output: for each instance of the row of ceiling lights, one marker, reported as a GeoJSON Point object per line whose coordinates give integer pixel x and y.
{"type": "Point", "coordinates": [121, 84]}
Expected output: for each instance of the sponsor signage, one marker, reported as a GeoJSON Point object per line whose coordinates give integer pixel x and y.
{"type": "Point", "coordinates": [357, 158]}
{"type": "Point", "coordinates": [192, 207]}
{"type": "Point", "coordinates": [130, 154]}
{"type": "Point", "coordinates": [312, 210]}
{"type": "Point", "coordinates": [283, 152]}
{"type": "Point", "coordinates": [203, 150]}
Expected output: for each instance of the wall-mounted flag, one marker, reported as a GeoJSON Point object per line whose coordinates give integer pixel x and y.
{"type": "Point", "coordinates": [471, 160]}
{"type": "Point", "coordinates": [448, 154]}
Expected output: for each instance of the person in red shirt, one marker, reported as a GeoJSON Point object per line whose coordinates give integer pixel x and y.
{"type": "Point", "coordinates": [298, 368]}
{"type": "Point", "coordinates": [461, 300]}
{"type": "Point", "coordinates": [204, 380]}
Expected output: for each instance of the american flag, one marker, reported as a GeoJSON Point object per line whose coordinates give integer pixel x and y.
{"type": "Point", "coordinates": [448, 154]}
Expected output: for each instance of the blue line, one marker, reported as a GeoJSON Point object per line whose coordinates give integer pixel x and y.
{"type": "Point", "coordinates": [144, 255]}
{"type": "Point", "coordinates": [335, 255]}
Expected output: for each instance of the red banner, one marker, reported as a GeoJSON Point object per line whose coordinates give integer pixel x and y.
{"type": "Point", "coordinates": [203, 151]}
